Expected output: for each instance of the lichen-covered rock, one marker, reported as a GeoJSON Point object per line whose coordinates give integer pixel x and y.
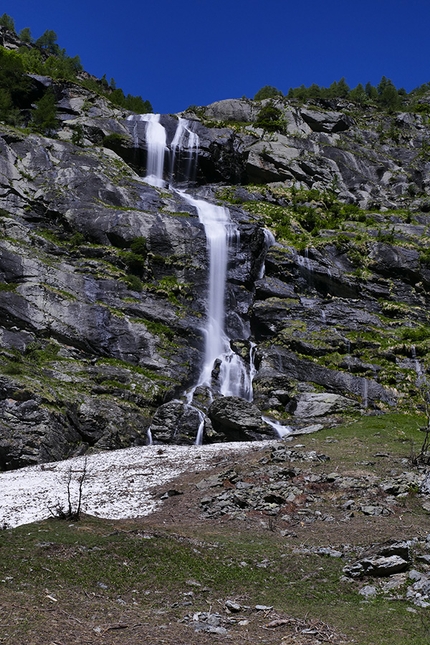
{"type": "Point", "coordinates": [311, 405]}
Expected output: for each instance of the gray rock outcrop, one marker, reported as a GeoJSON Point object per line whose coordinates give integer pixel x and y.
{"type": "Point", "coordinates": [103, 278]}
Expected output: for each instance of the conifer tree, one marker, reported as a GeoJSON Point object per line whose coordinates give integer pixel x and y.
{"type": "Point", "coordinates": [25, 35]}
{"type": "Point", "coordinates": [267, 92]}
{"type": "Point", "coordinates": [7, 22]}
{"type": "Point", "coordinates": [48, 42]}
{"type": "Point", "coordinates": [44, 116]}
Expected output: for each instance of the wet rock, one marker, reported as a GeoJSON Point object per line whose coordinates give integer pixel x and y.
{"type": "Point", "coordinates": [238, 419]}
{"type": "Point", "coordinates": [175, 422]}
{"type": "Point", "coordinates": [270, 287]}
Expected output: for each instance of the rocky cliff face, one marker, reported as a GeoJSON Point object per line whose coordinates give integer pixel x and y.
{"type": "Point", "coordinates": [104, 278]}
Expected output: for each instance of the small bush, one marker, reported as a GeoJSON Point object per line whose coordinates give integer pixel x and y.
{"type": "Point", "coordinates": [425, 257]}
{"type": "Point", "coordinates": [44, 118]}
{"type": "Point", "coordinates": [133, 282]}
{"type": "Point", "coordinates": [114, 140]}
{"type": "Point", "coordinates": [7, 286]}
{"type": "Point", "coordinates": [77, 240]}
{"type": "Point", "coordinates": [134, 262]}
{"type": "Point", "coordinates": [416, 334]}
{"type": "Point", "coordinates": [138, 246]}
{"type": "Point", "coordinates": [270, 118]}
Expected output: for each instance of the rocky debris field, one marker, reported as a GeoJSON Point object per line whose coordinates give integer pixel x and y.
{"type": "Point", "coordinates": [285, 488]}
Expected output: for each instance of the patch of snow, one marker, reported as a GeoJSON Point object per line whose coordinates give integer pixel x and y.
{"type": "Point", "coordinates": [118, 485]}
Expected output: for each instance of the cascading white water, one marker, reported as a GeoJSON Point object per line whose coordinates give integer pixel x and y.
{"type": "Point", "coordinates": [201, 428]}
{"type": "Point", "coordinates": [281, 430]}
{"type": "Point", "coordinates": [221, 233]}
{"type": "Point", "coordinates": [270, 241]}
{"type": "Point", "coordinates": [234, 377]}
{"type": "Point", "coordinates": [184, 139]}
{"type": "Point", "coordinates": [156, 145]}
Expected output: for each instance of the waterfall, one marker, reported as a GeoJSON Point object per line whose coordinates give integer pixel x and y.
{"type": "Point", "coordinates": [417, 364]}
{"type": "Point", "coordinates": [281, 430]}
{"type": "Point", "coordinates": [156, 141]}
{"type": "Point", "coordinates": [149, 436]}
{"type": "Point", "coordinates": [221, 234]}
{"type": "Point", "coordinates": [201, 428]}
{"type": "Point", "coordinates": [234, 378]}
{"type": "Point", "coordinates": [269, 238]}
{"type": "Point", "coordinates": [365, 389]}
{"type": "Point", "coordinates": [156, 144]}
{"type": "Point", "coordinates": [184, 140]}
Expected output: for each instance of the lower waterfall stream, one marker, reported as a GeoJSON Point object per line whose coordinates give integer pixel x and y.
{"type": "Point", "coordinates": [234, 376]}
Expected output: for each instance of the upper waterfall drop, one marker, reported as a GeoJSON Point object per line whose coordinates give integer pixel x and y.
{"type": "Point", "coordinates": [185, 140]}
{"type": "Point", "coordinates": [173, 161]}
{"type": "Point", "coordinates": [156, 142]}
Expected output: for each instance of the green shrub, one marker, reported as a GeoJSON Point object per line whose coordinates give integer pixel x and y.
{"type": "Point", "coordinates": [15, 86]}
{"type": "Point", "coordinates": [425, 257]}
{"type": "Point", "coordinates": [40, 353]}
{"type": "Point", "coordinates": [77, 239]}
{"type": "Point", "coordinates": [78, 135]}
{"type": "Point", "coordinates": [7, 286]}
{"type": "Point", "coordinates": [416, 334]}
{"type": "Point", "coordinates": [133, 282]}
{"type": "Point", "coordinates": [138, 246]}
{"type": "Point", "coordinates": [113, 140]}
{"type": "Point", "coordinates": [133, 261]}
{"type": "Point", "coordinates": [270, 118]}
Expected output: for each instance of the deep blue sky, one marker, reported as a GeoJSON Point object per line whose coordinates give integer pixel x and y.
{"type": "Point", "coordinates": [193, 52]}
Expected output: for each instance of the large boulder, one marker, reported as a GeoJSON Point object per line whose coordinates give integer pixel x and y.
{"type": "Point", "coordinates": [176, 422]}
{"type": "Point", "coordinates": [326, 121]}
{"type": "Point", "coordinates": [239, 110]}
{"type": "Point", "coordinates": [238, 419]}
{"type": "Point", "coordinates": [320, 404]}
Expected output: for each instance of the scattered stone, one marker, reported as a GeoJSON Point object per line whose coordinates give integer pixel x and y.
{"type": "Point", "coordinates": [206, 622]}
{"type": "Point", "coordinates": [232, 606]}
{"type": "Point", "coordinates": [332, 553]}
{"type": "Point", "coordinates": [171, 493]}
{"type": "Point", "coordinates": [377, 566]}
{"type": "Point", "coordinates": [368, 591]}
{"type": "Point", "coordinates": [263, 608]}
